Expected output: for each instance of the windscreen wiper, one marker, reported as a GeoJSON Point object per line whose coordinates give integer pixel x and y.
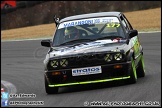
{"type": "Point", "coordinates": [109, 37]}
{"type": "Point", "coordinates": [77, 40]}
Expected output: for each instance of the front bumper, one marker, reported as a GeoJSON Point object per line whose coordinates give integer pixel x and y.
{"type": "Point", "coordinates": [109, 73]}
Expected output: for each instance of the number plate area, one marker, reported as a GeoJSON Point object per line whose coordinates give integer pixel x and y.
{"type": "Point", "coordinates": [86, 71]}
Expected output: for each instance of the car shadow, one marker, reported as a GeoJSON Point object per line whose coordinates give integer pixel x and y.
{"type": "Point", "coordinates": [88, 87]}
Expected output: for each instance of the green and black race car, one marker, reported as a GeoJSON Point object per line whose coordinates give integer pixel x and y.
{"type": "Point", "coordinates": [92, 48]}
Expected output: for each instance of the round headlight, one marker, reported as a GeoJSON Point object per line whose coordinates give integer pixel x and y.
{"type": "Point", "coordinates": [118, 56]}
{"type": "Point", "coordinates": [54, 63]}
{"type": "Point", "coordinates": [108, 57]}
{"type": "Point", "coordinates": [63, 62]}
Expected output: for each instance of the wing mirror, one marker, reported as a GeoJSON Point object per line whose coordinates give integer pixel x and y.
{"type": "Point", "coordinates": [133, 33]}
{"type": "Point", "coordinates": [46, 43]}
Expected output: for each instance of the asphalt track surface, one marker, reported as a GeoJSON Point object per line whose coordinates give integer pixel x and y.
{"type": "Point", "coordinates": [22, 65]}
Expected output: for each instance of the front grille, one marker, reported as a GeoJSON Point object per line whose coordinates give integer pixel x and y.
{"type": "Point", "coordinates": [85, 61]}
{"type": "Point", "coordinates": [108, 72]}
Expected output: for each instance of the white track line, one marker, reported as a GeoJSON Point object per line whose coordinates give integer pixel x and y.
{"type": "Point", "coordinates": [150, 32]}
{"type": "Point", "coordinates": [52, 37]}
{"type": "Point", "coordinates": [26, 39]}
{"type": "Point", "coordinates": [10, 87]}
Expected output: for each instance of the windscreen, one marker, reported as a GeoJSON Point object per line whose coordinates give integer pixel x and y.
{"type": "Point", "coordinates": [91, 28]}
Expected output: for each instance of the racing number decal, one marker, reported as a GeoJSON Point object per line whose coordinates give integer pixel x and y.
{"type": "Point", "coordinates": [113, 25]}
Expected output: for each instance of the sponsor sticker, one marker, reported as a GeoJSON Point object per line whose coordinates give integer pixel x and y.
{"type": "Point", "coordinates": [86, 71]}
{"type": "Point", "coordinates": [90, 21]}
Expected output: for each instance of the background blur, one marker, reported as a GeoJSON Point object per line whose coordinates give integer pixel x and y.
{"type": "Point", "coordinates": [29, 13]}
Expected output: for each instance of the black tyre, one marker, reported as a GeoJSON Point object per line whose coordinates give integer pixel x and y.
{"type": "Point", "coordinates": [141, 68]}
{"type": "Point", "coordinates": [133, 74]}
{"type": "Point", "coordinates": [50, 90]}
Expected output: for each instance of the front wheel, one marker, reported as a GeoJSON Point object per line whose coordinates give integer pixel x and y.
{"type": "Point", "coordinates": [50, 90]}
{"type": "Point", "coordinates": [141, 68]}
{"type": "Point", "coordinates": [133, 75]}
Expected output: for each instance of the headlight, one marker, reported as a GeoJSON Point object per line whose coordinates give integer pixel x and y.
{"type": "Point", "coordinates": [63, 62]}
{"type": "Point", "coordinates": [108, 57]}
{"type": "Point", "coordinates": [118, 56]}
{"type": "Point", "coordinates": [54, 63]}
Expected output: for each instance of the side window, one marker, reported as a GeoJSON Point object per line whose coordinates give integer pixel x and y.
{"type": "Point", "coordinates": [127, 22]}
{"type": "Point", "coordinates": [124, 23]}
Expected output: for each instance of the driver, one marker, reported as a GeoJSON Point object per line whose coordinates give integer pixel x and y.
{"type": "Point", "coordinates": [71, 33]}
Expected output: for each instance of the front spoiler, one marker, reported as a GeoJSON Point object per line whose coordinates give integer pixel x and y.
{"type": "Point", "coordinates": [88, 82]}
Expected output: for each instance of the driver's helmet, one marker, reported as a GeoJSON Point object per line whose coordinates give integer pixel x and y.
{"type": "Point", "coordinates": [71, 33]}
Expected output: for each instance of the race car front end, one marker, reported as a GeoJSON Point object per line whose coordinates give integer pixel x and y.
{"type": "Point", "coordinates": [87, 68]}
